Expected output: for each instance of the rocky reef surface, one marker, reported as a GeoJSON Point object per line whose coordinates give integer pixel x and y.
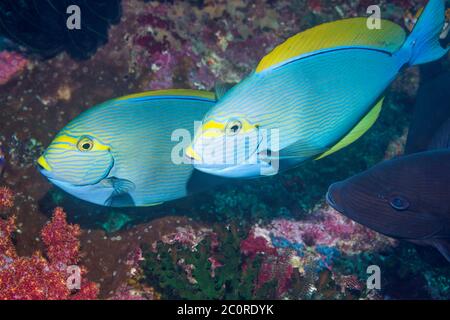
{"type": "Point", "coordinates": [267, 238]}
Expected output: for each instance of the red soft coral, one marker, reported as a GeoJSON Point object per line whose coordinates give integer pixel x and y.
{"type": "Point", "coordinates": [61, 239]}
{"type": "Point", "coordinates": [6, 198]}
{"type": "Point", "coordinates": [35, 277]}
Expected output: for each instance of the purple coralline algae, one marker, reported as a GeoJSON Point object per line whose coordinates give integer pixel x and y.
{"type": "Point", "coordinates": [11, 64]}
{"type": "Point", "coordinates": [310, 246]}
{"type": "Point", "coordinates": [187, 236]}
{"type": "Point", "coordinates": [324, 227]}
{"type": "Point", "coordinates": [133, 288]}
{"type": "Point", "coordinates": [183, 44]}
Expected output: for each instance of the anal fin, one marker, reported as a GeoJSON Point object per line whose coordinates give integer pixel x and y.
{"type": "Point", "coordinates": [362, 127]}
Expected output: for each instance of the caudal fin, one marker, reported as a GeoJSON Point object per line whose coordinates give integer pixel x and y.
{"type": "Point", "coordinates": [424, 39]}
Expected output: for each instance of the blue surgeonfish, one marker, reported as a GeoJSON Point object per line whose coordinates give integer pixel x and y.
{"type": "Point", "coordinates": [311, 96]}
{"type": "Point", "coordinates": [120, 153]}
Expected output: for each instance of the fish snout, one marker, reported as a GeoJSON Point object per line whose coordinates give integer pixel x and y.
{"type": "Point", "coordinates": [43, 164]}
{"type": "Point", "coordinates": [192, 154]}
{"type": "Point", "coordinates": [204, 150]}
{"type": "Point", "coordinates": [332, 197]}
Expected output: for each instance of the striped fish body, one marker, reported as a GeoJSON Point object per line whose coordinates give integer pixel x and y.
{"type": "Point", "coordinates": [313, 102]}
{"type": "Point", "coordinates": [135, 163]}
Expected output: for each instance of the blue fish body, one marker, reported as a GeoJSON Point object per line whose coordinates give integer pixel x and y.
{"type": "Point", "coordinates": [316, 94]}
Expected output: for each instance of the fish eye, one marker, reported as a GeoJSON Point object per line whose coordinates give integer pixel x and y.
{"type": "Point", "coordinates": [85, 144]}
{"type": "Point", "coordinates": [399, 203]}
{"type": "Point", "coordinates": [233, 127]}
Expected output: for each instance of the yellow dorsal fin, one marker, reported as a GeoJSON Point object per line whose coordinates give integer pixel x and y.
{"type": "Point", "coordinates": [171, 92]}
{"type": "Point", "coordinates": [361, 128]}
{"type": "Point", "coordinates": [347, 32]}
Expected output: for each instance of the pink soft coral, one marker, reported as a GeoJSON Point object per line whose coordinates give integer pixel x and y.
{"type": "Point", "coordinates": [11, 64]}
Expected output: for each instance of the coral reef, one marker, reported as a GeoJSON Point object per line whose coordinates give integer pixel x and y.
{"type": "Point", "coordinates": [296, 253]}
{"type": "Point", "coordinates": [210, 270]}
{"type": "Point", "coordinates": [2, 161]}
{"type": "Point", "coordinates": [23, 153]}
{"type": "Point", "coordinates": [11, 64]}
{"type": "Point", "coordinates": [135, 288]}
{"type": "Point", "coordinates": [284, 259]}
{"type": "Point", "coordinates": [6, 198]}
{"type": "Point", "coordinates": [408, 272]}
{"type": "Point", "coordinates": [37, 277]}
{"type": "Point", "coordinates": [61, 239]}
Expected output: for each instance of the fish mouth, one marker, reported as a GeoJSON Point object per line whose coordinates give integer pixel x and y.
{"type": "Point", "coordinates": [332, 199]}
{"type": "Point", "coordinates": [192, 154]}
{"type": "Point", "coordinates": [236, 171]}
{"type": "Point", "coordinates": [255, 168]}
{"type": "Point", "coordinates": [43, 165]}
{"type": "Point", "coordinates": [337, 198]}
{"type": "Point", "coordinates": [224, 168]}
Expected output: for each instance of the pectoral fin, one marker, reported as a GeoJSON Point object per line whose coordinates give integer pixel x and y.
{"type": "Point", "coordinates": [221, 88]}
{"type": "Point", "coordinates": [443, 246]}
{"type": "Point", "coordinates": [365, 124]}
{"type": "Point", "coordinates": [120, 197]}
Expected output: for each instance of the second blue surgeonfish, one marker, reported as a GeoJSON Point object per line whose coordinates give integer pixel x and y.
{"type": "Point", "coordinates": [312, 95]}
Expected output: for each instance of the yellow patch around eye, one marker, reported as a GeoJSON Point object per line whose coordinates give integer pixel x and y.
{"type": "Point", "coordinates": [214, 129]}
{"type": "Point", "coordinates": [212, 133]}
{"type": "Point", "coordinates": [213, 125]}
{"type": "Point", "coordinates": [65, 139]}
{"type": "Point", "coordinates": [247, 126]}
{"type": "Point", "coordinates": [86, 144]}
{"type": "Point", "coordinates": [100, 147]}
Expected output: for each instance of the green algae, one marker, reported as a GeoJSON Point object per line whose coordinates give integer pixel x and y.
{"type": "Point", "coordinates": [165, 269]}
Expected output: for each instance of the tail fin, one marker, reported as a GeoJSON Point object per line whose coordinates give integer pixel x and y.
{"type": "Point", "coordinates": [424, 39]}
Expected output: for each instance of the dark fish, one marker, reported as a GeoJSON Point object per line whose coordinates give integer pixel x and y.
{"type": "Point", "coordinates": [431, 110]}
{"type": "Point", "coordinates": [441, 140]}
{"type": "Point", "coordinates": [406, 198]}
